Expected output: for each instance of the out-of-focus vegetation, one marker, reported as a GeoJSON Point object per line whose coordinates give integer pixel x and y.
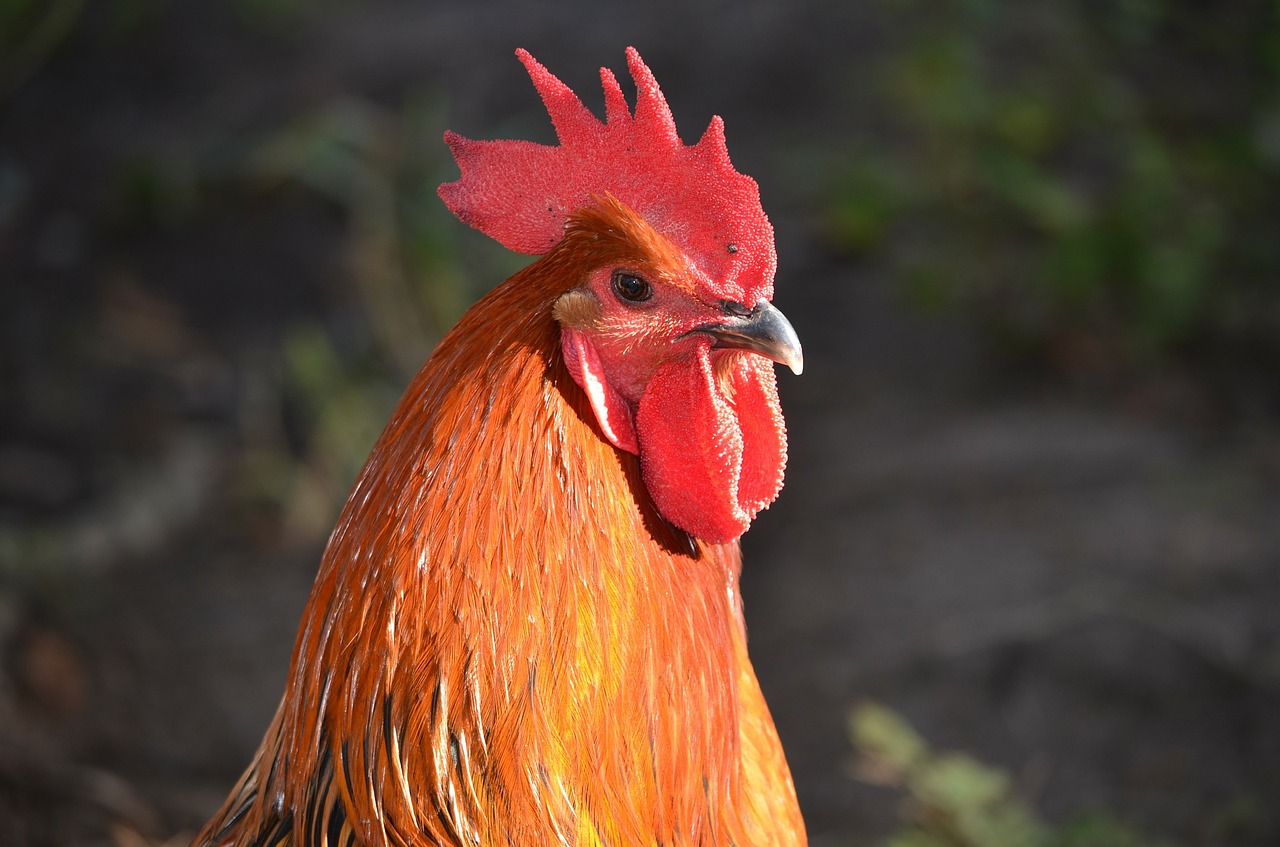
{"type": "Point", "coordinates": [30, 30]}
{"type": "Point", "coordinates": [405, 263]}
{"type": "Point", "coordinates": [953, 800]}
{"type": "Point", "coordinates": [1098, 182]}
{"type": "Point", "coordinates": [381, 169]}
{"type": "Point", "coordinates": [311, 410]}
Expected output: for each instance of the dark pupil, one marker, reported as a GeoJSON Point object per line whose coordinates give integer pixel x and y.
{"type": "Point", "coordinates": [630, 287]}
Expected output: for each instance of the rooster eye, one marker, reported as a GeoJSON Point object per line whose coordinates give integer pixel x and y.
{"type": "Point", "coordinates": [630, 287]}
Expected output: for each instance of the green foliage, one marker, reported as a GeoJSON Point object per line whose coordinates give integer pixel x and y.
{"type": "Point", "coordinates": [883, 736]}
{"type": "Point", "coordinates": [953, 800]}
{"type": "Point", "coordinates": [1043, 176]}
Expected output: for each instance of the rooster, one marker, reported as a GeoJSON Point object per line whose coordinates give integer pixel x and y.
{"type": "Point", "coordinates": [526, 628]}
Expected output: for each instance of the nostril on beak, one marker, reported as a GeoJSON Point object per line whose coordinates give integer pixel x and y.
{"type": "Point", "coordinates": [738, 310]}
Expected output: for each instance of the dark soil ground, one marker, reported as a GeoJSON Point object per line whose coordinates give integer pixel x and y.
{"type": "Point", "coordinates": [1080, 587]}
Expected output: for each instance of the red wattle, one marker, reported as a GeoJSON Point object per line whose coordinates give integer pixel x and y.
{"type": "Point", "coordinates": [712, 460]}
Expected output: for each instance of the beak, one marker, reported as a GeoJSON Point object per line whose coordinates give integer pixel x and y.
{"type": "Point", "coordinates": [763, 330]}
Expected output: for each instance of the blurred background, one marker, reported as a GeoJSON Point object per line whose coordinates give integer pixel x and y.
{"type": "Point", "coordinates": [1022, 587]}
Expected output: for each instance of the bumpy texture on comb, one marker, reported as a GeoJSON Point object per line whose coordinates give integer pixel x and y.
{"type": "Point", "coordinates": [521, 193]}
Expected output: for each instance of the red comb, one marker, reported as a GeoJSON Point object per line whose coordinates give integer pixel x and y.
{"type": "Point", "coordinates": [522, 193]}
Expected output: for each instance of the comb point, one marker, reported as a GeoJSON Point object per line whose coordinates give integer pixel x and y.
{"type": "Point", "coordinates": [615, 102]}
{"type": "Point", "coordinates": [651, 106]}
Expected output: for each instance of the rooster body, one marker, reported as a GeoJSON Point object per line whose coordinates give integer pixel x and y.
{"type": "Point", "coordinates": [511, 640]}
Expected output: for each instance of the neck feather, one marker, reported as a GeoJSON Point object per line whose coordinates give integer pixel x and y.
{"type": "Point", "coordinates": [506, 643]}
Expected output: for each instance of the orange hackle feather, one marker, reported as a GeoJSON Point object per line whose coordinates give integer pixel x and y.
{"type": "Point", "coordinates": [506, 644]}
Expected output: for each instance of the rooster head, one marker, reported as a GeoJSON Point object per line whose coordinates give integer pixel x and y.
{"type": "Point", "coordinates": [667, 260]}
